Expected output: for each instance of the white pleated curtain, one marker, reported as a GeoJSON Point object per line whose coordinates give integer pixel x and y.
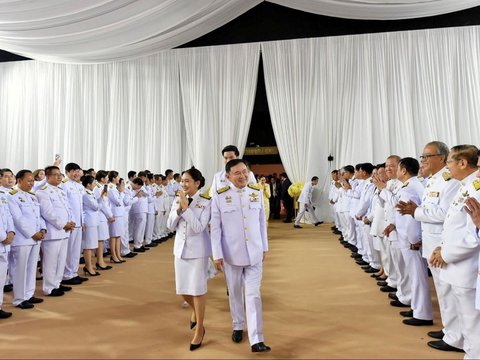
{"type": "Point", "coordinates": [122, 116]}
{"type": "Point", "coordinates": [218, 87]}
{"type": "Point", "coordinates": [362, 98]}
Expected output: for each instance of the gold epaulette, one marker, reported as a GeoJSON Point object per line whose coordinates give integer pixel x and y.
{"type": "Point", "coordinates": [99, 185]}
{"type": "Point", "coordinates": [13, 192]}
{"type": "Point", "coordinates": [476, 184]}
{"type": "Point", "coordinates": [254, 187]}
{"type": "Point", "coordinates": [64, 180]}
{"type": "Point", "coordinates": [205, 196]}
{"type": "Point", "coordinates": [2, 192]}
{"type": "Point", "coordinates": [222, 190]}
{"type": "Point", "coordinates": [31, 193]}
{"type": "Point", "coordinates": [405, 184]}
{"type": "Point", "coordinates": [43, 187]}
{"type": "Point", "coordinates": [111, 186]}
{"type": "Point", "coordinates": [176, 192]}
{"type": "Point", "coordinates": [446, 176]}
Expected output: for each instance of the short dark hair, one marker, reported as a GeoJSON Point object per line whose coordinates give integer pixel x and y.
{"type": "Point", "coordinates": [142, 174]}
{"type": "Point", "coordinates": [231, 148]}
{"type": "Point", "coordinates": [283, 174]}
{"type": "Point", "coordinates": [379, 166]}
{"type": "Point", "coordinates": [138, 181]}
{"type": "Point", "coordinates": [465, 152]}
{"type": "Point", "coordinates": [168, 171]}
{"type": "Point", "coordinates": [112, 175]}
{"type": "Point", "coordinates": [89, 171]}
{"type": "Point", "coordinates": [3, 171]}
{"type": "Point", "coordinates": [149, 176]}
{"type": "Point", "coordinates": [196, 176]}
{"type": "Point", "coordinates": [86, 180]}
{"type": "Point", "coordinates": [50, 169]}
{"type": "Point", "coordinates": [410, 164]}
{"type": "Point", "coordinates": [348, 168]}
{"type": "Point", "coordinates": [367, 167]}
{"type": "Point", "coordinates": [176, 175]}
{"type": "Point", "coordinates": [131, 174]}
{"type": "Point", "coordinates": [334, 172]}
{"type": "Point", "coordinates": [157, 177]}
{"type": "Point", "coordinates": [234, 162]}
{"type": "Point", "coordinates": [100, 175]}
{"type": "Point", "coordinates": [71, 167]}
{"type": "Point", "coordinates": [358, 167]}
{"type": "Point", "coordinates": [314, 178]}
{"type": "Point", "coordinates": [21, 174]}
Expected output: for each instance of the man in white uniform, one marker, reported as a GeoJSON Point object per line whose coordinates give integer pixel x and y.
{"type": "Point", "coordinates": [7, 234]}
{"type": "Point", "coordinates": [305, 201]}
{"type": "Point", "coordinates": [239, 246]}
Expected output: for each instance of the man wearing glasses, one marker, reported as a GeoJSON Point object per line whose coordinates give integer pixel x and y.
{"type": "Point", "coordinates": [437, 197]}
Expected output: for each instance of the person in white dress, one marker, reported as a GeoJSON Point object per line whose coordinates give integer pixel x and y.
{"type": "Point", "coordinates": [91, 221]}
{"type": "Point", "coordinates": [117, 228]}
{"type": "Point", "coordinates": [189, 217]}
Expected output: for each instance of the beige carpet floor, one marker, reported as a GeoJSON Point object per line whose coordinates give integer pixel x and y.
{"type": "Point", "coordinates": [317, 304]}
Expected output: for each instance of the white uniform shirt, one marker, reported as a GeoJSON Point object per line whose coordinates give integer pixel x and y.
{"type": "Point", "coordinates": [90, 209]}
{"type": "Point", "coordinates": [103, 203]}
{"type": "Point", "coordinates": [459, 247]}
{"type": "Point", "coordinates": [55, 211]}
{"type": "Point", "coordinates": [25, 210]}
{"type": "Point", "coordinates": [389, 196]}
{"type": "Point", "coordinates": [6, 220]}
{"type": "Point", "coordinates": [238, 227]}
{"type": "Point", "coordinates": [367, 188]}
{"type": "Point", "coordinates": [74, 192]}
{"type": "Point", "coordinates": [306, 194]}
{"type": "Point", "coordinates": [116, 200]}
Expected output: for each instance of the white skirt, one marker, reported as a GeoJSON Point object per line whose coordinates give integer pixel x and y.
{"type": "Point", "coordinates": [90, 238]}
{"type": "Point", "coordinates": [191, 276]}
{"type": "Point", "coordinates": [103, 233]}
{"type": "Point", "coordinates": [117, 228]}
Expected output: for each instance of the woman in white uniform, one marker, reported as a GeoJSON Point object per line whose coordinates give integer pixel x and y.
{"type": "Point", "coordinates": [189, 217]}
{"type": "Point", "coordinates": [117, 228]}
{"type": "Point", "coordinates": [105, 216]}
{"type": "Point", "coordinates": [91, 216]}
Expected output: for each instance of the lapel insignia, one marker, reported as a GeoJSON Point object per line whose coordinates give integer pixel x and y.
{"type": "Point", "coordinates": [228, 199]}
{"type": "Point", "coordinates": [476, 184]}
{"type": "Point", "coordinates": [446, 176]}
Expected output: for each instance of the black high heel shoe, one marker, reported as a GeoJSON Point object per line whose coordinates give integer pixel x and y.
{"type": "Point", "coordinates": [196, 346]}
{"type": "Point", "coordinates": [98, 267]}
{"type": "Point", "coordinates": [86, 271]}
{"type": "Point", "coordinates": [113, 261]}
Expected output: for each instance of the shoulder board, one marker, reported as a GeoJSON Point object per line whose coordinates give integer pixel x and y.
{"type": "Point", "coordinates": [64, 180]}
{"type": "Point", "coordinates": [176, 193]}
{"type": "Point", "coordinates": [476, 184]}
{"type": "Point", "coordinates": [2, 192]}
{"type": "Point", "coordinates": [405, 184]}
{"type": "Point", "coordinates": [446, 176]}
{"type": "Point", "coordinates": [99, 185]}
{"type": "Point", "coordinates": [254, 187]}
{"type": "Point", "coordinates": [31, 193]}
{"type": "Point", "coordinates": [111, 186]}
{"type": "Point", "coordinates": [205, 196]}
{"type": "Point", "coordinates": [13, 192]}
{"type": "Point", "coordinates": [222, 190]}
{"type": "Point", "coordinates": [43, 187]}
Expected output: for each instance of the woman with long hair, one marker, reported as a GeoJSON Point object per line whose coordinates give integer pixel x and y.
{"type": "Point", "coordinates": [117, 228]}
{"type": "Point", "coordinates": [189, 217]}
{"type": "Point", "coordinates": [105, 216]}
{"type": "Point", "coordinates": [91, 221]}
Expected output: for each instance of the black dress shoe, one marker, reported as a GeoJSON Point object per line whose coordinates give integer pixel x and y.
{"type": "Point", "coordinates": [196, 346]}
{"type": "Point", "coordinates": [56, 292]}
{"type": "Point", "coordinates": [98, 267]}
{"type": "Point", "coordinates": [34, 300]}
{"type": "Point", "coordinates": [237, 336]}
{"type": "Point", "coordinates": [8, 288]}
{"type": "Point", "coordinates": [107, 253]}
{"type": "Point", "coordinates": [297, 227]}
{"type": "Point", "coordinates": [372, 270]}
{"type": "Point", "coordinates": [64, 288]}
{"type": "Point", "coordinates": [382, 283]}
{"type": "Point", "coordinates": [361, 262]}
{"type": "Point", "coordinates": [82, 279]}
{"type": "Point", "coordinates": [139, 250]}
{"type": "Point", "coordinates": [442, 345]}
{"type": "Point", "coordinates": [72, 281]}
{"type": "Point", "coordinates": [436, 334]}
{"type": "Point", "coordinates": [130, 255]}
{"type": "Point", "coordinates": [318, 223]}
{"type": "Point", "coordinates": [5, 314]}
{"type": "Point", "coordinates": [408, 314]}
{"type": "Point", "coordinates": [25, 305]}
{"type": "Point", "coordinates": [192, 324]}
{"type": "Point", "coordinates": [388, 289]}
{"type": "Point", "coordinates": [417, 322]}
{"type": "Point", "coordinates": [398, 303]}
{"type": "Point", "coordinates": [260, 347]}
{"type": "Point", "coordinates": [151, 245]}
{"type": "Point", "coordinates": [393, 296]}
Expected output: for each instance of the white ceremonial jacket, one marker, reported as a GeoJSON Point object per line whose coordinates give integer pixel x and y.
{"type": "Point", "coordinates": [105, 211]}
{"type": "Point", "coordinates": [6, 219]}
{"type": "Point", "coordinates": [91, 214]}
{"type": "Point", "coordinates": [55, 210]}
{"type": "Point", "coordinates": [459, 247]}
{"type": "Point", "coordinates": [116, 200]}
{"type": "Point", "coordinates": [27, 221]}
{"type": "Point", "coordinates": [238, 227]}
{"type": "Point", "coordinates": [191, 240]}
{"type": "Point", "coordinates": [366, 189]}
{"type": "Point", "coordinates": [220, 180]}
{"type": "Point", "coordinates": [437, 197]}
{"type": "Point", "coordinates": [306, 194]}
{"type": "Point", "coordinates": [389, 196]}
{"type": "Point", "coordinates": [74, 192]}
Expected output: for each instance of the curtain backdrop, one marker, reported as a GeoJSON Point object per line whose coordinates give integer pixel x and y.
{"type": "Point", "coordinates": [120, 116]}
{"type": "Point", "coordinates": [99, 31]}
{"type": "Point", "coordinates": [362, 98]}
{"type": "Point", "coordinates": [218, 87]}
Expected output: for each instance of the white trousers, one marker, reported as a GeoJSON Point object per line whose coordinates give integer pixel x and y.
{"type": "Point", "coordinates": [125, 237]}
{"type": "Point", "coordinates": [404, 292]}
{"type": "Point", "coordinates": [448, 312]}
{"type": "Point", "coordinates": [301, 213]}
{"type": "Point", "coordinates": [24, 271]}
{"type": "Point", "coordinates": [421, 299]}
{"type": "Point", "coordinates": [74, 249]}
{"type": "Point", "coordinates": [388, 264]}
{"type": "Point", "coordinates": [53, 263]}
{"type": "Point", "coordinates": [248, 278]}
{"type": "Point", "coordinates": [348, 228]}
{"type": "Point", "coordinates": [164, 229]}
{"type": "Point", "coordinates": [149, 228]}
{"type": "Point", "coordinates": [139, 222]}
{"type": "Point", "coordinates": [3, 273]}
{"type": "Point", "coordinates": [157, 226]}
{"type": "Point", "coordinates": [469, 319]}
{"type": "Point", "coordinates": [359, 235]}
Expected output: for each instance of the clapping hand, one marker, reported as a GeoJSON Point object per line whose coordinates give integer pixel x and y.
{"type": "Point", "coordinates": [472, 208]}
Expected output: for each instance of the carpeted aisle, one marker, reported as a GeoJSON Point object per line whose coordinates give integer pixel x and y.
{"type": "Point", "coordinates": [317, 304]}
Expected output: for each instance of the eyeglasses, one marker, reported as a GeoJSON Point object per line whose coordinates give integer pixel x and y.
{"type": "Point", "coordinates": [452, 160]}
{"type": "Point", "coordinates": [427, 156]}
